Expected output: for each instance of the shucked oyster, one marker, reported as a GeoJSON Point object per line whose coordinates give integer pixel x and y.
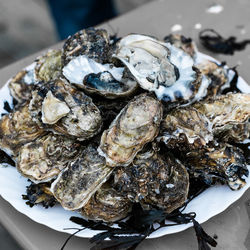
{"type": "Point", "coordinates": [81, 179]}
{"type": "Point", "coordinates": [59, 107]}
{"type": "Point", "coordinates": [160, 67]}
{"type": "Point", "coordinates": [223, 163]}
{"type": "Point", "coordinates": [49, 66]}
{"type": "Point", "coordinates": [137, 124]}
{"type": "Point", "coordinates": [18, 128]}
{"type": "Point", "coordinates": [43, 159]}
{"type": "Point", "coordinates": [107, 205]}
{"type": "Point", "coordinates": [185, 129]}
{"type": "Point", "coordinates": [229, 115]}
{"type": "Point", "coordinates": [154, 180]}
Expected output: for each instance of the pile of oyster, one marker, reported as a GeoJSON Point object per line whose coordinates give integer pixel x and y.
{"type": "Point", "coordinates": [104, 123]}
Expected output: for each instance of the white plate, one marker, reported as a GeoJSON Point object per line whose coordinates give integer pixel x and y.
{"type": "Point", "coordinates": [208, 204]}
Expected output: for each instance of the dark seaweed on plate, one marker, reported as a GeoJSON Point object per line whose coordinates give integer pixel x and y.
{"type": "Point", "coordinates": [4, 158]}
{"type": "Point", "coordinates": [214, 42]}
{"type": "Point", "coordinates": [139, 225]}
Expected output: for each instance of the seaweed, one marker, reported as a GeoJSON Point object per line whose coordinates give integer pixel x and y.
{"type": "Point", "coordinates": [214, 42]}
{"type": "Point", "coordinates": [139, 225]}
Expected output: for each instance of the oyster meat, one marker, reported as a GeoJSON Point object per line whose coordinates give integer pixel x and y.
{"type": "Point", "coordinates": [186, 129]}
{"type": "Point", "coordinates": [154, 180]}
{"type": "Point", "coordinates": [137, 124]}
{"type": "Point", "coordinates": [229, 115]}
{"type": "Point", "coordinates": [107, 205]}
{"type": "Point", "coordinates": [223, 163]}
{"type": "Point", "coordinates": [81, 179]}
{"type": "Point", "coordinates": [44, 158]}
{"type": "Point", "coordinates": [60, 108]}
{"type": "Point", "coordinates": [18, 128]}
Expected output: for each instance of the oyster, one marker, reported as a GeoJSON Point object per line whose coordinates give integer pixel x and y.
{"type": "Point", "coordinates": [107, 205]}
{"type": "Point", "coordinates": [81, 179]}
{"type": "Point", "coordinates": [17, 129]}
{"type": "Point", "coordinates": [22, 84]}
{"type": "Point", "coordinates": [93, 43]}
{"type": "Point", "coordinates": [223, 163]}
{"type": "Point", "coordinates": [154, 180]}
{"type": "Point", "coordinates": [59, 107]}
{"type": "Point", "coordinates": [186, 129]}
{"type": "Point", "coordinates": [229, 115]}
{"type": "Point", "coordinates": [159, 67]}
{"type": "Point", "coordinates": [182, 42]}
{"type": "Point", "coordinates": [217, 75]}
{"type": "Point", "coordinates": [39, 194]}
{"type": "Point", "coordinates": [137, 124]}
{"type": "Point", "coordinates": [44, 158]}
{"type": "Point", "coordinates": [49, 66]}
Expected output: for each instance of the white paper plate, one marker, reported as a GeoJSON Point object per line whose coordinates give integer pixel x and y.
{"type": "Point", "coordinates": [208, 204]}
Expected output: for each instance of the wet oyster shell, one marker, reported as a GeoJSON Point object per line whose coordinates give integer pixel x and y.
{"type": "Point", "coordinates": [17, 129]}
{"type": "Point", "coordinates": [94, 43]}
{"type": "Point", "coordinates": [217, 75]}
{"type": "Point", "coordinates": [154, 180]}
{"type": "Point", "coordinates": [107, 205]}
{"type": "Point", "coordinates": [223, 163]}
{"type": "Point", "coordinates": [186, 129]}
{"type": "Point", "coordinates": [159, 67]}
{"type": "Point", "coordinates": [182, 42]}
{"type": "Point", "coordinates": [44, 158]}
{"type": "Point", "coordinates": [137, 124]}
{"type": "Point", "coordinates": [22, 84]}
{"type": "Point", "coordinates": [229, 115]}
{"type": "Point", "coordinates": [49, 66]}
{"type": "Point", "coordinates": [81, 179]}
{"type": "Point", "coordinates": [59, 107]}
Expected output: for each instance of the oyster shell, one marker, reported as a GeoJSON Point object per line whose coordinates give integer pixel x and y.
{"type": "Point", "coordinates": [81, 179]}
{"type": "Point", "coordinates": [186, 129]}
{"type": "Point", "coordinates": [182, 42]}
{"type": "Point", "coordinates": [94, 43]}
{"type": "Point", "coordinates": [223, 163]}
{"type": "Point", "coordinates": [59, 107]}
{"type": "Point", "coordinates": [159, 67]}
{"type": "Point", "coordinates": [39, 194]}
{"type": "Point", "coordinates": [107, 205]}
{"type": "Point", "coordinates": [229, 115]}
{"type": "Point", "coordinates": [17, 129]}
{"type": "Point", "coordinates": [22, 84]}
{"type": "Point", "coordinates": [49, 66]}
{"type": "Point", "coordinates": [154, 180]}
{"type": "Point", "coordinates": [44, 158]}
{"type": "Point", "coordinates": [137, 124]}
{"type": "Point", "coordinates": [217, 75]}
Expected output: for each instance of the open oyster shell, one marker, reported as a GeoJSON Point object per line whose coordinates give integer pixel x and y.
{"type": "Point", "coordinates": [81, 179]}
{"type": "Point", "coordinates": [59, 107]}
{"type": "Point", "coordinates": [18, 128]}
{"type": "Point", "coordinates": [229, 115]}
{"type": "Point", "coordinates": [49, 66]}
{"type": "Point", "coordinates": [44, 158]}
{"type": "Point", "coordinates": [223, 163]}
{"type": "Point", "coordinates": [159, 67]}
{"type": "Point", "coordinates": [154, 180]}
{"type": "Point", "coordinates": [186, 129]}
{"type": "Point", "coordinates": [107, 205]}
{"type": "Point", "coordinates": [137, 124]}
